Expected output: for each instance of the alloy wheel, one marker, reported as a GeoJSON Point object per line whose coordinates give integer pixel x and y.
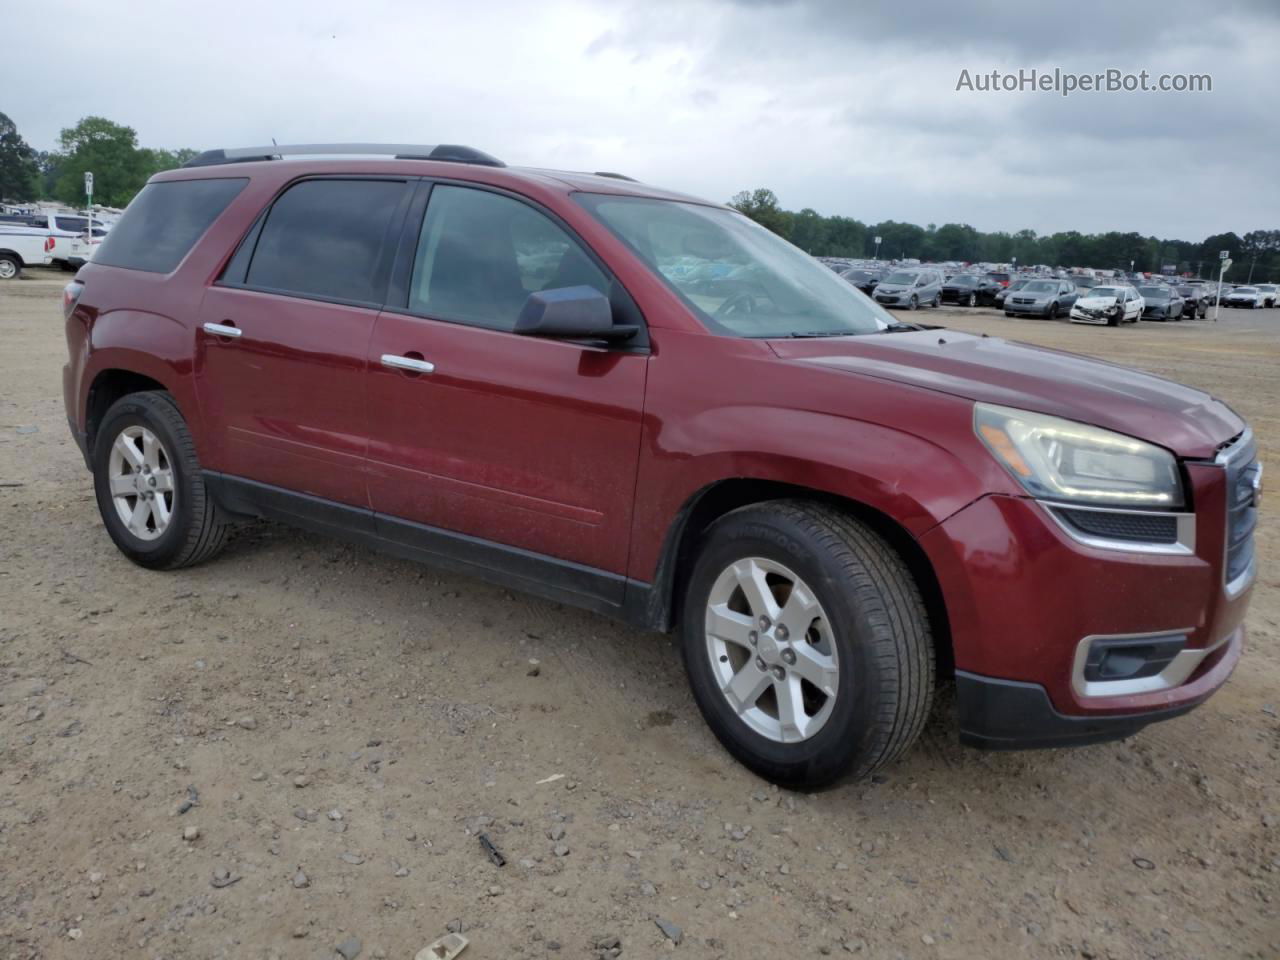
{"type": "Point", "coordinates": [8, 269]}
{"type": "Point", "coordinates": [771, 650]}
{"type": "Point", "coordinates": [142, 483]}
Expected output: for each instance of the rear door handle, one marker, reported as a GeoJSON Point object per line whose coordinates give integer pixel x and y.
{"type": "Point", "coordinates": [222, 330]}
{"type": "Point", "coordinates": [412, 364]}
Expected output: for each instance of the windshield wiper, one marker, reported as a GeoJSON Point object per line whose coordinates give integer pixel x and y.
{"type": "Point", "coordinates": [813, 334]}
{"type": "Point", "coordinates": [899, 327]}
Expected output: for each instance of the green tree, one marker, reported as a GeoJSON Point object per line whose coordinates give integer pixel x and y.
{"type": "Point", "coordinates": [110, 151]}
{"type": "Point", "coordinates": [19, 174]}
{"type": "Point", "coordinates": [761, 205]}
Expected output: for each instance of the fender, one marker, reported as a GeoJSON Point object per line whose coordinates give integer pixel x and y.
{"type": "Point", "coordinates": [145, 343]}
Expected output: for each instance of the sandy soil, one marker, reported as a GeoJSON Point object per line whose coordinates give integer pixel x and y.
{"type": "Point", "coordinates": [347, 724]}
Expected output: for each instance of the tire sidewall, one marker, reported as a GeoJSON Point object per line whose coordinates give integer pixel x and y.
{"type": "Point", "coordinates": [849, 731]}
{"type": "Point", "coordinates": [132, 411]}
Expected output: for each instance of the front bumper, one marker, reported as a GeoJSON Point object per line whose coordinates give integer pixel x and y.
{"type": "Point", "coordinates": [1027, 309]}
{"type": "Point", "coordinates": [1100, 317]}
{"type": "Point", "coordinates": [1027, 597]}
{"type": "Point", "coordinates": [997, 714]}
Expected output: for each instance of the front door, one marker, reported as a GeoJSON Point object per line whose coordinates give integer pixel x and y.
{"type": "Point", "coordinates": [526, 446]}
{"type": "Point", "coordinates": [284, 335]}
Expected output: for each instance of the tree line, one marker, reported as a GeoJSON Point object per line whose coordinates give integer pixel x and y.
{"type": "Point", "coordinates": [1257, 252]}
{"type": "Point", "coordinates": [120, 167]}
{"type": "Point", "coordinates": [110, 150]}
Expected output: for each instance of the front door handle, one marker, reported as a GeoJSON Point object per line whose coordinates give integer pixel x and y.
{"type": "Point", "coordinates": [412, 364]}
{"type": "Point", "coordinates": [222, 329]}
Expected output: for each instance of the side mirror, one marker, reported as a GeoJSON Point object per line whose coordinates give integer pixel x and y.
{"type": "Point", "coordinates": [571, 313]}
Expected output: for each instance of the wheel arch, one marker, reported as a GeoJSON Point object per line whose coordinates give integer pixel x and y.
{"type": "Point", "coordinates": [709, 504]}
{"type": "Point", "coordinates": [108, 386]}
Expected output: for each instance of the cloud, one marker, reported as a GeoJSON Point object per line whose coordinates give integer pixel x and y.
{"type": "Point", "coordinates": [846, 108]}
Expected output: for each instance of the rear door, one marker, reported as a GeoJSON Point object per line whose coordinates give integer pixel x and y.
{"type": "Point", "coordinates": [284, 336]}
{"type": "Point", "coordinates": [527, 447]}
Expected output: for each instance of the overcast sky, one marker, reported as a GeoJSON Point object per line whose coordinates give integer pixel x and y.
{"type": "Point", "coordinates": [845, 107]}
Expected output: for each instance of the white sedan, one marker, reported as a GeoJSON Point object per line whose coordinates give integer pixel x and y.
{"type": "Point", "coordinates": [1109, 306]}
{"type": "Point", "coordinates": [1250, 297]}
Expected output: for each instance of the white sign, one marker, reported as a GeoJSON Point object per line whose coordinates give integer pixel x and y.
{"type": "Point", "coordinates": [1223, 254]}
{"type": "Point", "coordinates": [877, 241]}
{"type": "Point", "coordinates": [88, 183]}
{"type": "Point", "coordinates": [1226, 264]}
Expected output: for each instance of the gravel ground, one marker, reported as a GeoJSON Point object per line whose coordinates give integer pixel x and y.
{"type": "Point", "coordinates": [292, 750]}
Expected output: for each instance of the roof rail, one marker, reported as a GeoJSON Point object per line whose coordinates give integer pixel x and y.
{"type": "Point", "coordinates": [615, 176]}
{"type": "Point", "coordinates": [451, 152]}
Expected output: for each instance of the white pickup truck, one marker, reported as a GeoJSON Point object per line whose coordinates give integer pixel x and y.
{"type": "Point", "coordinates": [23, 247]}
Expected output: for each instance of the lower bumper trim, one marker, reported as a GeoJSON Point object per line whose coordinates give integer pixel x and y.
{"type": "Point", "coordinates": [1000, 714]}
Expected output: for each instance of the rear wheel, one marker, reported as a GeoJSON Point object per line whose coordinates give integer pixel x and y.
{"type": "Point", "coordinates": [806, 643]}
{"type": "Point", "coordinates": [913, 303]}
{"type": "Point", "coordinates": [149, 487]}
{"type": "Point", "coordinates": [10, 266]}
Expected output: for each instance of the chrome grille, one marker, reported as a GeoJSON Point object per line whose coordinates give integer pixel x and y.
{"type": "Point", "coordinates": [1239, 458]}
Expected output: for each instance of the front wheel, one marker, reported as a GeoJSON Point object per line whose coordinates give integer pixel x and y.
{"type": "Point", "coordinates": [10, 267]}
{"type": "Point", "coordinates": [913, 303]}
{"type": "Point", "coordinates": [806, 643]}
{"type": "Point", "coordinates": [1052, 312]}
{"type": "Point", "coordinates": [972, 301]}
{"type": "Point", "coordinates": [149, 487]}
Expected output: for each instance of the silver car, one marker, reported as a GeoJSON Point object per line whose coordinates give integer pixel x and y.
{"type": "Point", "coordinates": [1042, 298]}
{"type": "Point", "coordinates": [910, 289]}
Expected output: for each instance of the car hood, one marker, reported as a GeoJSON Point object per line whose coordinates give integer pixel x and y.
{"type": "Point", "coordinates": [1097, 303]}
{"type": "Point", "coordinates": [1188, 421]}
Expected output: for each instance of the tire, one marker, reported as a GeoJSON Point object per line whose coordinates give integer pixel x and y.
{"type": "Point", "coordinates": [1115, 321]}
{"type": "Point", "coordinates": [1008, 313]}
{"type": "Point", "coordinates": [972, 301]}
{"type": "Point", "coordinates": [937, 300]}
{"type": "Point", "coordinates": [195, 528]}
{"type": "Point", "coordinates": [1052, 312]}
{"type": "Point", "coordinates": [10, 267]}
{"type": "Point", "coordinates": [913, 303]}
{"type": "Point", "coordinates": [871, 616]}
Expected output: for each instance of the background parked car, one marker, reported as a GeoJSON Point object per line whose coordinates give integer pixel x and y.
{"type": "Point", "coordinates": [1017, 283]}
{"type": "Point", "coordinates": [865, 280]}
{"type": "Point", "coordinates": [1195, 300]}
{"type": "Point", "coordinates": [1042, 298]}
{"type": "Point", "coordinates": [1244, 296]}
{"type": "Point", "coordinates": [22, 246]}
{"type": "Point", "coordinates": [1270, 292]}
{"type": "Point", "coordinates": [1109, 305]}
{"type": "Point", "coordinates": [970, 290]}
{"type": "Point", "coordinates": [910, 289]}
{"type": "Point", "coordinates": [1000, 277]}
{"type": "Point", "coordinates": [1163, 302]}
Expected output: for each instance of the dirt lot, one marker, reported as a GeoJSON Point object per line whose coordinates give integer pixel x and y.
{"type": "Point", "coordinates": [346, 723]}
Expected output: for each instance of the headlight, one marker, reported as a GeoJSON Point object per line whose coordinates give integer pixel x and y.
{"type": "Point", "coordinates": [1059, 459]}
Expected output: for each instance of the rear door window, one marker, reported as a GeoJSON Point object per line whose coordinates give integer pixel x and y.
{"type": "Point", "coordinates": [329, 240]}
{"type": "Point", "coordinates": [164, 221]}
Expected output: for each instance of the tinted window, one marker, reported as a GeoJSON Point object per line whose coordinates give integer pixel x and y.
{"type": "Point", "coordinates": [481, 254]}
{"type": "Point", "coordinates": [73, 224]}
{"type": "Point", "coordinates": [163, 223]}
{"type": "Point", "coordinates": [328, 239]}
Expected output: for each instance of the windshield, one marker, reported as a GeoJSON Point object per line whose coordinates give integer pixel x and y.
{"type": "Point", "coordinates": [1040, 286]}
{"type": "Point", "coordinates": [963, 281]}
{"type": "Point", "coordinates": [858, 276]}
{"type": "Point", "coordinates": [741, 279]}
{"type": "Point", "coordinates": [1244, 290]}
{"type": "Point", "coordinates": [1154, 293]}
{"type": "Point", "coordinates": [900, 276]}
{"type": "Point", "coordinates": [1111, 292]}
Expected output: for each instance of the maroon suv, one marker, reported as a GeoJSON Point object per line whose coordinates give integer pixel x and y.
{"type": "Point", "coordinates": [647, 405]}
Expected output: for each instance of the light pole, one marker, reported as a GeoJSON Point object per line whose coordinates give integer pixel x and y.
{"type": "Point", "coordinates": [1225, 257]}
{"type": "Point", "coordinates": [88, 193]}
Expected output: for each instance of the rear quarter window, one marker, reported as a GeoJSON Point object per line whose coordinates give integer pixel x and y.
{"type": "Point", "coordinates": [164, 221]}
